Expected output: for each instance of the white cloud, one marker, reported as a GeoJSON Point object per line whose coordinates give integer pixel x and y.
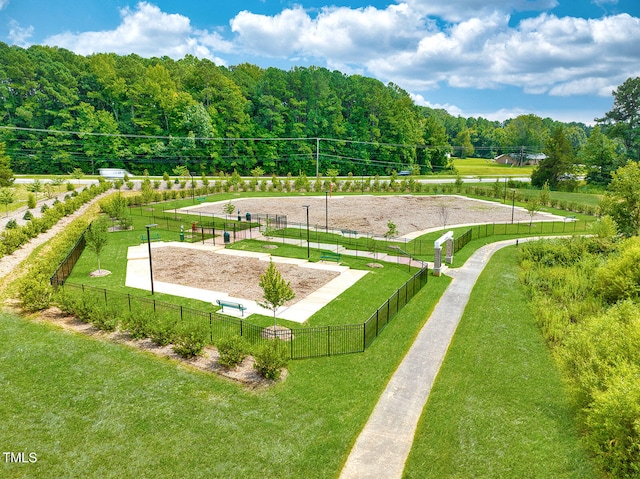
{"type": "Point", "coordinates": [451, 109]}
{"type": "Point", "coordinates": [337, 33]}
{"type": "Point", "coordinates": [20, 35]}
{"type": "Point", "coordinates": [3, 3]}
{"type": "Point", "coordinates": [478, 47]}
{"type": "Point", "coordinates": [459, 10]}
{"type": "Point", "coordinates": [148, 32]}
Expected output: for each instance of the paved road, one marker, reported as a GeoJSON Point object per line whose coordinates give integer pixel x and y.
{"type": "Point", "coordinates": [384, 444]}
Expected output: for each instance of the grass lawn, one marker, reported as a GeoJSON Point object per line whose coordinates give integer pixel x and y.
{"type": "Point", "coordinates": [498, 407]}
{"type": "Point", "coordinates": [485, 167]}
{"type": "Point", "coordinates": [89, 408]}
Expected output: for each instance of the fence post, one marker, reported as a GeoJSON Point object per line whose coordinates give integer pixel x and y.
{"type": "Point", "coordinates": [129, 301]}
{"type": "Point", "coordinates": [364, 336]}
{"type": "Point", "coordinates": [329, 340]}
{"type": "Point", "coordinates": [211, 327]}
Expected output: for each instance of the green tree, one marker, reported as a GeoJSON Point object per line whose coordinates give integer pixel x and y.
{"type": "Point", "coordinates": [392, 230]}
{"type": "Point", "coordinates": [533, 206]}
{"type": "Point", "coordinates": [7, 197]}
{"type": "Point", "coordinates": [463, 142]}
{"type": "Point", "coordinates": [558, 162]}
{"type": "Point", "coordinates": [77, 174]}
{"type": "Point", "coordinates": [622, 199]}
{"type": "Point", "coordinates": [276, 290]}
{"type": "Point", "coordinates": [602, 156]}
{"type": "Point", "coordinates": [96, 237]}
{"type": "Point", "coordinates": [6, 174]}
{"type": "Point", "coordinates": [35, 187]}
{"type": "Point", "coordinates": [623, 120]}
{"type": "Point", "coordinates": [523, 134]}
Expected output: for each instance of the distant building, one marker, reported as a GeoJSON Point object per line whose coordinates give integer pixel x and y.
{"type": "Point", "coordinates": [113, 173]}
{"type": "Point", "coordinates": [529, 159]}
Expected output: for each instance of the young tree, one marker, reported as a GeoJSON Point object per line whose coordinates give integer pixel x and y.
{"type": "Point", "coordinates": [77, 173]}
{"type": "Point", "coordinates": [35, 187]}
{"type": "Point", "coordinates": [533, 206]}
{"type": "Point", "coordinates": [96, 237]}
{"type": "Point", "coordinates": [7, 196]}
{"type": "Point", "coordinates": [443, 212]}
{"type": "Point", "coordinates": [276, 290]}
{"type": "Point", "coordinates": [392, 230]}
{"type": "Point", "coordinates": [229, 208]}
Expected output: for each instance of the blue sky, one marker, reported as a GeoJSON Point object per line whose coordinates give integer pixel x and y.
{"type": "Point", "coordinates": [496, 59]}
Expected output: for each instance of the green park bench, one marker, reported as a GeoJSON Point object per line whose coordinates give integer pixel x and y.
{"type": "Point", "coordinates": [152, 237]}
{"type": "Point", "coordinates": [329, 256]}
{"type": "Point", "coordinates": [230, 304]}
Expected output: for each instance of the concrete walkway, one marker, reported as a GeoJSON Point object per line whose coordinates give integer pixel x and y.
{"type": "Point", "coordinates": [385, 442]}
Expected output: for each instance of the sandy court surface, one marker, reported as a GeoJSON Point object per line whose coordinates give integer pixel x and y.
{"type": "Point", "coordinates": [236, 275]}
{"type": "Point", "coordinates": [370, 214]}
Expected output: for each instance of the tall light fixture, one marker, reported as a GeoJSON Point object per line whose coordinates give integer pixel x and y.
{"type": "Point", "coordinates": [149, 245]}
{"type": "Point", "coordinates": [308, 250]}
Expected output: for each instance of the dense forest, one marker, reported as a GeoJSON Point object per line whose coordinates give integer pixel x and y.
{"type": "Point", "coordinates": [61, 111]}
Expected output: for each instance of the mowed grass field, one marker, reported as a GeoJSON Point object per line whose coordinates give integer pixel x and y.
{"type": "Point", "coordinates": [499, 408]}
{"type": "Point", "coordinates": [94, 409]}
{"type": "Point", "coordinates": [486, 167]}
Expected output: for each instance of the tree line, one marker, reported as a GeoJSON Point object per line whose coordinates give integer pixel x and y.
{"type": "Point", "coordinates": [61, 111]}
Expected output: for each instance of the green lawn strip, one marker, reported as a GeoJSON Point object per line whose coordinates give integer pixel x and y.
{"type": "Point", "coordinates": [498, 407]}
{"type": "Point", "coordinates": [486, 167]}
{"type": "Point", "coordinates": [90, 408]}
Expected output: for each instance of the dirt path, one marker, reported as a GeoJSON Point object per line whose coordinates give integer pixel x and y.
{"type": "Point", "coordinates": [9, 263]}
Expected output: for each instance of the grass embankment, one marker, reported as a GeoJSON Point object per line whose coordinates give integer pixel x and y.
{"type": "Point", "coordinates": [498, 407]}
{"type": "Point", "coordinates": [90, 408]}
{"type": "Point", "coordinates": [483, 167]}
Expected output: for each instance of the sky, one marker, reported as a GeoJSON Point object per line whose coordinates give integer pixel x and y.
{"type": "Point", "coordinates": [496, 59]}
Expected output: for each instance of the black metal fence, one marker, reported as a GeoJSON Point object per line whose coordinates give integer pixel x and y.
{"type": "Point", "coordinates": [300, 343]}
{"type": "Point", "coordinates": [462, 240]}
{"type": "Point", "coordinates": [66, 266]}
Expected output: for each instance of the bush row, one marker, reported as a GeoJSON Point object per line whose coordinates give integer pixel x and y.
{"type": "Point", "coordinates": [188, 339]}
{"type": "Point", "coordinates": [585, 296]}
{"type": "Point", "coordinates": [15, 236]}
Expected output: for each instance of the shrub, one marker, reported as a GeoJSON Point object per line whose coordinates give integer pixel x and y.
{"type": "Point", "coordinates": [232, 351]}
{"type": "Point", "coordinates": [270, 359]}
{"type": "Point", "coordinates": [11, 224]}
{"type": "Point", "coordinates": [27, 215]}
{"type": "Point", "coordinates": [70, 187]}
{"type": "Point", "coordinates": [31, 201]}
{"type": "Point", "coordinates": [35, 292]}
{"type": "Point", "coordinates": [162, 331]}
{"type": "Point", "coordinates": [103, 318]}
{"type": "Point", "coordinates": [614, 428]}
{"type": "Point", "coordinates": [137, 323]}
{"type": "Point", "coordinates": [190, 343]}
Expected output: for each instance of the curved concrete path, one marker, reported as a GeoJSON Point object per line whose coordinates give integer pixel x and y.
{"type": "Point", "coordinates": [385, 442]}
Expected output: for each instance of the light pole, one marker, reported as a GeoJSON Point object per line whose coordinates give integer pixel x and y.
{"type": "Point", "coordinates": [149, 245]}
{"type": "Point", "coordinates": [326, 211]}
{"type": "Point", "coordinates": [307, 207]}
{"type": "Point", "coordinates": [193, 188]}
